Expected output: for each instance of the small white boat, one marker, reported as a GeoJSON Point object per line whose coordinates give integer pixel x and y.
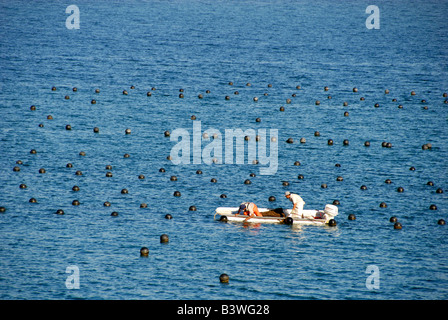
{"type": "Point", "coordinates": [279, 215]}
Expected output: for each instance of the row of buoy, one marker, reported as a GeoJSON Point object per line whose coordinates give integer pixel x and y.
{"type": "Point", "coordinates": [288, 101]}
{"type": "Point", "coordinates": [247, 181]}
{"type": "Point", "coordinates": [346, 142]}
{"type": "Point", "coordinates": [397, 225]}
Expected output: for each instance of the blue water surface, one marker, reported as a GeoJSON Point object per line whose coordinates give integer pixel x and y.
{"type": "Point", "coordinates": [164, 46]}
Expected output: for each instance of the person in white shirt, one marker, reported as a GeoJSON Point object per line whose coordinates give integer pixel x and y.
{"type": "Point", "coordinates": [298, 203]}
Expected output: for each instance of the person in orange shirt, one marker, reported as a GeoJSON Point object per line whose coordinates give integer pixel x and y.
{"type": "Point", "coordinates": [249, 209]}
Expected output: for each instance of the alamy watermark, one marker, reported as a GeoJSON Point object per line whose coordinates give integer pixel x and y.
{"type": "Point", "coordinates": [373, 280]}
{"type": "Point", "coordinates": [189, 149]}
{"type": "Point", "coordinates": [373, 21]}
{"type": "Point", "coordinates": [72, 21]}
{"type": "Point", "coordinates": [72, 281]}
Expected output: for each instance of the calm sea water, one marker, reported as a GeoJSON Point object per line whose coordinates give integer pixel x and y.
{"type": "Point", "coordinates": [204, 45]}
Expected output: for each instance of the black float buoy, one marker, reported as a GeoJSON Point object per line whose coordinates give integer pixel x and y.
{"type": "Point", "coordinates": [60, 212]}
{"type": "Point", "coordinates": [398, 226]}
{"type": "Point", "coordinates": [330, 142]}
{"type": "Point", "coordinates": [383, 205]}
{"type": "Point", "coordinates": [176, 194]}
{"type": "Point", "coordinates": [192, 208]}
{"type": "Point", "coordinates": [247, 181]}
{"type": "Point", "coordinates": [144, 251]}
{"type": "Point", "coordinates": [351, 216]}
{"type": "Point", "coordinates": [143, 205]}
{"type": "Point", "coordinates": [75, 202]}
{"type": "Point", "coordinates": [173, 178]}
{"type": "Point", "coordinates": [439, 190]}
{"type": "Point", "coordinates": [161, 170]}
{"type": "Point", "coordinates": [164, 238]}
{"type": "Point", "coordinates": [290, 140]}
{"type": "Point", "coordinates": [393, 219]}
{"type": "Point", "coordinates": [213, 180]}
{"type": "Point", "coordinates": [332, 223]}
{"type": "Point", "coordinates": [2, 209]}
{"type": "Point", "coordinates": [32, 200]}
{"type": "Point", "coordinates": [433, 207]}
{"type": "Point", "coordinates": [441, 222]}
{"type": "Point", "coordinates": [75, 188]}
{"type": "Point", "coordinates": [223, 196]}
{"type": "Point", "coordinates": [272, 198]}
{"type": "Point", "coordinates": [336, 202]}
{"type": "Point", "coordinates": [363, 187]}
{"type": "Point", "coordinates": [289, 221]}
{"type": "Point", "coordinates": [400, 189]}
{"type": "Point", "coordinates": [106, 204]}
{"type": "Point", "coordinates": [114, 214]}
{"type": "Point", "coordinates": [124, 191]}
{"type": "Point", "coordinates": [168, 216]}
{"type": "Point", "coordinates": [224, 278]}
{"type": "Point", "coordinates": [109, 174]}
{"type": "Point", "coordinates": [223, 219]}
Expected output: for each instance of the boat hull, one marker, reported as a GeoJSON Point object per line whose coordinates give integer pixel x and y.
{"type": "Point", "coordinates": [312, 217]}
